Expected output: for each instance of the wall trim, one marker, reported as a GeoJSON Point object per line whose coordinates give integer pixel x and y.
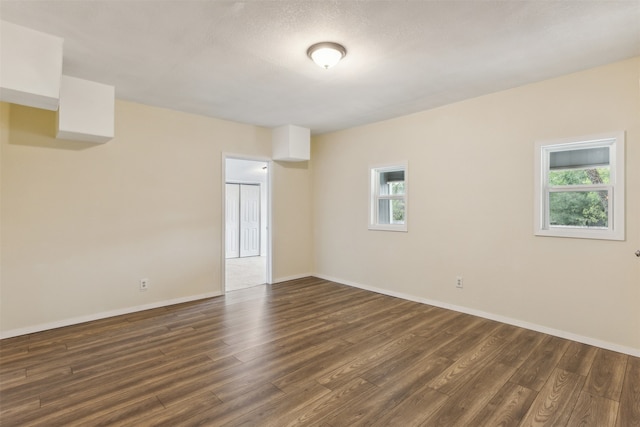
{"type": "Point", "coordinates": [294, 277]}
{"type": "Point", "coordinates": [491, 316]}
{"type": "Point", "coordinates": [103, 315]}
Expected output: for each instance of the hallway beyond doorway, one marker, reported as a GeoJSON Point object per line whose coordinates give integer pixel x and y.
{"type": "Point", "coordinates": [245, 272]}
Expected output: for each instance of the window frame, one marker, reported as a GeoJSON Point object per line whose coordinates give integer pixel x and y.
{"type": "Point", "coordinates": [375, 196]}
{"type": "Point", "coordinates": [615, 141]}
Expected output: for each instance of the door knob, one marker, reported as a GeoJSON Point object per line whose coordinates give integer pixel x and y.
{"type": "Point", "coordinates": [638, 253]}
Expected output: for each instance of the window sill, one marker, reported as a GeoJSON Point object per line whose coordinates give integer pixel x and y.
{"type": "Point", "coordinates": [577, 233]}
{"type": "Point", "coordinates": [400, 228]}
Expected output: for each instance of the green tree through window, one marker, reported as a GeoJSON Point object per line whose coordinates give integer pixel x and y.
{"type": "Point", "coordinates": [579, 208]}
{"type": "Point", "coordinates": [397, 187]}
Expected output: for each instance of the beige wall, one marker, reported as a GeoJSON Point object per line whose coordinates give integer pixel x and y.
{"type": "Point", "coordinates": [292, 208]}
{"type": "Point", "coordinates": [471, 208]}
{"type": "Point", "coordinates": [82, 223]}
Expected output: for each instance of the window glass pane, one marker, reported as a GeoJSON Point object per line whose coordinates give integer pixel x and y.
{"type": "Point", "coordinates": [579, 176]}
{"type": "Point", "coordinates": [391, 211]}
{"type": "Point", "coordinates": [579, 209]}
{"type": "Point", "coordinates": [396, 187]}
{"type": "Point", "coordinates": [391, 182]}
{"type": "Point", "coordinates": [582, 158]}
{"type": "Point", "coordinates": [384, 211]}
{"type": "Point", "coordinates": [397, 212]}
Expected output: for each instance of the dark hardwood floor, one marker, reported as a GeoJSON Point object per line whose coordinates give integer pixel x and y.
{"type": "Point", "coordinates": [311, 352]}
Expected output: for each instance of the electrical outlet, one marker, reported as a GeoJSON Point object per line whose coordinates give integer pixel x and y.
{"type": "Point", "coordinates": [459, 282]}
{"type": "Point", "coordinates": [144, 284]}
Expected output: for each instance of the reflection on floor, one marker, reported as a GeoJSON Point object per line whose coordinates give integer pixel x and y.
{"type": "Point", "coordinates": [246, 272]}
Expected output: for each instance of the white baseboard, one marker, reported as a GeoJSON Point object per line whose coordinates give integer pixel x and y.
{"type": "Point", "coordinates": [103, 315]}
{"type": "Point", "coordinates": [294, 277]}
{"type": "Point", "coordinates": [491, 316]}
{"type": "Point", "coordinates": [503, 319]}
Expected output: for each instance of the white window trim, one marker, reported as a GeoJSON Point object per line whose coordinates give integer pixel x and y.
{"type": "Point", "coordinates": [374, 197]}
{"type": "Point", "coordinates": [616, 142]}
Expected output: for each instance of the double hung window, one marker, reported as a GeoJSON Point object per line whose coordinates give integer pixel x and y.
{"type": "Point", "coordinates": [388, 202]}
{"type": "Point", "coordinates": [580, 187]}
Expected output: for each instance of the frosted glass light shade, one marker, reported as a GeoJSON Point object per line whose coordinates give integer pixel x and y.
{"type": "Point", "coordinates": [326, 54]}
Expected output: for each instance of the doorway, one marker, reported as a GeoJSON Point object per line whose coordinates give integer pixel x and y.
{"type": "Point", "coordinates": [247, 241]}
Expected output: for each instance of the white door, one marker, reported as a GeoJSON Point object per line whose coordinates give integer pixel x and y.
{"type": "Point", "coordinates": [232, 221]}
{"type": "Point", "coordinates": [249, 220]}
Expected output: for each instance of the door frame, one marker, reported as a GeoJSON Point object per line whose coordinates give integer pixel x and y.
{"type": "Point", "coordinates": [269, 236]}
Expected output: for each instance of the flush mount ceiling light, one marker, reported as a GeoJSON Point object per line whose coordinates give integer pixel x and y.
{"type": "Point", "coordinates": [326, 54]}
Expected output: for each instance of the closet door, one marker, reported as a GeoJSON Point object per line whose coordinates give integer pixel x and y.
{"type": "Point", "coordinates": [249, 220]}
{"type": "Point", "coordinates": [232, 221]}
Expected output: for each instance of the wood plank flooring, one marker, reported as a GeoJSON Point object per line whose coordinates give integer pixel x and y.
{"type": "Point", "coordinates": [311, 352]}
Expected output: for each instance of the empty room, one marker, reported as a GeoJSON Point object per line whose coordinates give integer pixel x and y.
{"type": "Point", "coordinates": [326, 213]}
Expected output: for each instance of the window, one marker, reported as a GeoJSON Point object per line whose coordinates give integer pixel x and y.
{"type": "Point", "coordinates": [388, 203]}
{"type": "Point", "coordinates": [580, 187]}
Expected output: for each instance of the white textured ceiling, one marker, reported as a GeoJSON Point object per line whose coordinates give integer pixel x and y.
{"type": "Point", "coordinates": [246, 61]}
